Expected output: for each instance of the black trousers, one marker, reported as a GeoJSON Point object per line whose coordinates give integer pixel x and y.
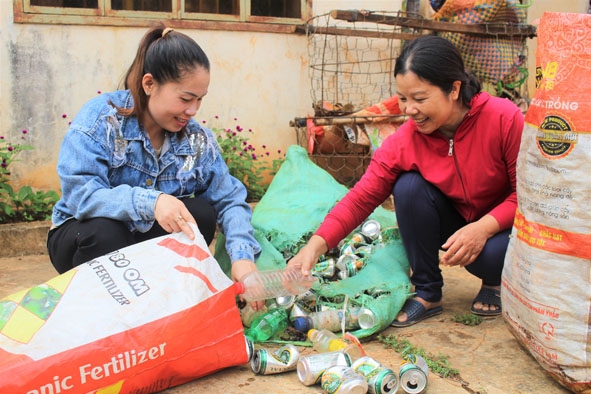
{"type": "Point", "coordinates": [426, 218]}
{"type": "Point", "coordinates": [78, 241]}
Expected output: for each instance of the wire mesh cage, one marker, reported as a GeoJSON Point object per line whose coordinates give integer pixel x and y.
{"type": "Point", "coordinates": [351, 66]}
{"type": "Point", "coordinates": [351, 62]}
{"type": "Point", "coordinates": [352, 54]}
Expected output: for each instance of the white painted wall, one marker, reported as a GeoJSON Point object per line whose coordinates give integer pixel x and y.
{"type": "Point", "coordinates": [259, 78]}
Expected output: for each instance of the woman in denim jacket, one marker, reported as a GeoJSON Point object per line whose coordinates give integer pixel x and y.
{"type": "Point", "coordinates": [134, 165]}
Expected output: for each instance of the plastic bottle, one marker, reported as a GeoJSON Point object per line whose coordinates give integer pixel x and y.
{"type": "Point", "coordinates": [330, 320]}
{"type": "Point", "coordinates": [262, 285]}
{"type": "Point", "coordinates": [326, 341]}
{"type": "Point", "coordinates": [267, 325]}
{"type": "Point", "coordinates": [248, 315]}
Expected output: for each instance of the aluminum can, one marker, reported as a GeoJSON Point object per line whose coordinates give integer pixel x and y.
{"type": "Point", "coordinates": [371, 229]}
{"type": "Point", "coordinates": [347, 248]}
{"type": "Point", "coordinates": [364, 251]}
{"type": "Point", "coordinates": [310, 368]}
{"type": "Point", "coordinates": [283, 359]}
{"type": "Point", "coordinates": [380, 380]}
{"type": "Point", "coordinates": [366, 318]}
{"type": "Point", "coordinates": [297, 311]}
{"type": "Point", "coordinates": [249, 349]}
{"type": "Point", "coordinates": [414, 373]}
{"type": "Point", "coordinates": [325, 268]}
{"type": "Point", "coordinates": [348, 265]}
{"type": "Point", "coordinates": [357, 239]}
{"type": "Point", "coordinates": [341, 379]}
{"type": "Point", "coordinates": [285, 302]}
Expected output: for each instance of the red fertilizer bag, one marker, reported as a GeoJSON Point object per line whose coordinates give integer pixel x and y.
{"type": "Point", "coordinates": [546, 291]}
{"type": "Point", "coordinates": [138, 320]}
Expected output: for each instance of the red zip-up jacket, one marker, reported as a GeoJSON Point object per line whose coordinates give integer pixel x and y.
{"type": "Point", "coordinates": [475, 169]}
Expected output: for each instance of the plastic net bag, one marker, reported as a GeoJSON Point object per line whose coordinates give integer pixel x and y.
{"type": "Point", "coordinates": [298, 199]}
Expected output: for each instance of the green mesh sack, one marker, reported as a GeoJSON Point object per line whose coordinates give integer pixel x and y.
{"type": "Point", "coordinates": [295, 204]}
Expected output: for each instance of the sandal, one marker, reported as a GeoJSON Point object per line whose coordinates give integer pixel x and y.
{"type": "Point", "coordinates": [415, 312]}
{"type": "Point", "coordinates": [488, 296]}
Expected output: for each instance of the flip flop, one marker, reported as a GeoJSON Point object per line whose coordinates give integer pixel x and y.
{"type": "Point", "coordinates": [489, 296]}
{"type": "Point", "coordinates": [415, 312]}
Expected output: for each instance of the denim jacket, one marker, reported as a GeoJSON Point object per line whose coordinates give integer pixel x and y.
{"type": "Point", "coordinates": [108, 168]}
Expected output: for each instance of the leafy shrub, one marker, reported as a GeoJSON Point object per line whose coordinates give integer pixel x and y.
{"type": "Point", "coordinates": [243, 161]}
{"type": "Point", "coordinates": [24, 204]}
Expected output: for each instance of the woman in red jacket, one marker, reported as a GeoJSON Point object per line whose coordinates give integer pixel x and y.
{"type": "Point", "coordinates": [451, 170]}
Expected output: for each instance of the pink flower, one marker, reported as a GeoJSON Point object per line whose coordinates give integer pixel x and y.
{"type": "Point", "coordinates": [64, 116]}
{"type": "Point", "coordinates": [24, 131]}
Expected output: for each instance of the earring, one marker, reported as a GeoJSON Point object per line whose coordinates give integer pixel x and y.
{"type": "Point", "coordinates": [147, 93]}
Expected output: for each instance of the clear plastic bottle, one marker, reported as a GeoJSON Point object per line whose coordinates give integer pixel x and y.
{"type": "Point", "coordinates": [330, 320]}
{"type": "Point", "coordinates": [326, 341]}
{"type": "Point", "coordinates": [248, 315]}
{"type": "Point", "coordinates": [263, 285]}
{"type": "Point", "coordinates": [267, 325]}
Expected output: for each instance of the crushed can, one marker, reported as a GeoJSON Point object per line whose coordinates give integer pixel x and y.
{"type": "Point", "coordinates": [380, 380]}
{"type": "Point", "coordinates": [342, 379]}
{"type": "Point", "coordinates": [371, 229]}
{"type": "Point", "coordinates": [282, 360]}
{"type": "Point", "coordinates": [325, 268]}
{"type": "Point", "coordinates": [311, 368]}
{"type": "Point", "coordinates": [249, 349]}
{"type": "Point", "coordinates": [413, 374]}
{"type": "Point", "coordinates": [348, 265]}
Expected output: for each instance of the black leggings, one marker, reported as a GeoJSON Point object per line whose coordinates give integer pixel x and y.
{"type": "Point", "coordinates": [77, 241]}
{"type": "Point", "coordinates": [427, 218]}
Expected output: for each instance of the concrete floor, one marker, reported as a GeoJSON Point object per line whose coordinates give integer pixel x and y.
{"type": "Point", "coordinates": [488, 358]}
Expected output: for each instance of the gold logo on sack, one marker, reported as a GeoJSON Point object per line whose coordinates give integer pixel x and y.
{"type": "Point", "coordinates": [555, 137]}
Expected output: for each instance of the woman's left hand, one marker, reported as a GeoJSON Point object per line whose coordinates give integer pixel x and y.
{"type": "Point", "coordinates": [464, 246]}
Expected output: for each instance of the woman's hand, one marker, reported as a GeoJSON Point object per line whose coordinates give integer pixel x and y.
{"type": "Point", "coordinates": [464, 246]}
{"type": "Point", "coordinates": [241, 268]}
{"type": "Point", "coordinates": [308, 256]}
{"type": "Point", "coordinates": [173, 216]}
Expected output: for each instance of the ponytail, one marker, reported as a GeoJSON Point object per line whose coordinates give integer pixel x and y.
{"type": "Point", "coordinates": [167, 55]}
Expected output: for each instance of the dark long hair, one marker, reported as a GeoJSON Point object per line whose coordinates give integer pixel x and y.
{"type": "Point", "coordinates": [167, 55]}
{"type": "Point", "coordinates": [436, 60]}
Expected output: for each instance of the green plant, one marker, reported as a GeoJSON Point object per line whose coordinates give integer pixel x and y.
{"type": "Point", "coordinates": [468, 319]}
{"type": "Point", "coordinates": [438, 364]}
{"type": "Point", "coordinates": [24, 204]}
{"type": "Point", "coordinates": [244, 162]}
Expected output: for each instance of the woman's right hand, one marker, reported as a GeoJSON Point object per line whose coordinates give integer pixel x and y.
{"type": "Point", "coordinates": [173, 216]}
{"type": "Point", "coordinates": [308, 256]}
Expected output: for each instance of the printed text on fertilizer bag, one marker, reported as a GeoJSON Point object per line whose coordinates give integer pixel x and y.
{"type": "Point", "coordinates": [91, 373]}
{"type": "Point", "coordinates": [131, 276]}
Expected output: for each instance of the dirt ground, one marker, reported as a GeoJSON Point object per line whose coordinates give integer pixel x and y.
{"type": "Point", "coordinates": [488, 358]}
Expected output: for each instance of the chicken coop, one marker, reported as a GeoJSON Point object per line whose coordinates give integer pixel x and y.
{"type": "Point", "coordinates": [352, 54]}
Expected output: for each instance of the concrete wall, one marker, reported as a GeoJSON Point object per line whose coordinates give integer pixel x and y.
{"type": "Point", "coordinates": [48, 71]}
